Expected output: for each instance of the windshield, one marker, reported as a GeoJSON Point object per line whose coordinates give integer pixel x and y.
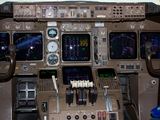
{"type": "Point", "coordinates": [154, 1]}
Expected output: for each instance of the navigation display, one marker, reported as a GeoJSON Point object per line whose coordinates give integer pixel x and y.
{"type": "Point", "coordinates": [153, 37]}
{"type": "Point", "coordinates": [123, 45]}
{"type": "Point", "coordinates": [76, 47]}
{"type": "Point", "coordinates": [4, 43]}
{"type": "Point", "coordinates": [29, 46]}
{"type": "Point", "coordinates": [76, 73]}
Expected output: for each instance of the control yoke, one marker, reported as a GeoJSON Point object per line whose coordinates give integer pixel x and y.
{"type": "Point", "coordinates": [12, 60]}
{"type": "Point", "coordinates": [149, 54]}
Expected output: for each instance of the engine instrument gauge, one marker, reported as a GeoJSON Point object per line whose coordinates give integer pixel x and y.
{"type": "Point", "coordinates": [52, 59]}
{"type": "Point", "coordinates": [52, 46]}
{"type": "Point", "coordinates": [52, 33]}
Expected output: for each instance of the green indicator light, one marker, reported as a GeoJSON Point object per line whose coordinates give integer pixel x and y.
{"type": "Point", "coordinates": [31, 51]}
{"type": "Point", "coordinates": [2, 42]}
{"type": "Point", "coordinates": [2, 57]}
{"type": "Point", "coordinates": [158, 108]}
{"type": "Point", "coordinates": [129, 56]}
{"type": "Point", "coordinates": [50, 57]}
{"type": "Point", "coordinates": [35, 57]}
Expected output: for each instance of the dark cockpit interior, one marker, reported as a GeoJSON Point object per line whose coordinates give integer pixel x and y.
{"type": "Point", "coordinates": [79, 60]}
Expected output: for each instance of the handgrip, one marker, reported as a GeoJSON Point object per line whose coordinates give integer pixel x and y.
{"type": "Point", "coordinates": [12, 60]}
{"type": "Point", "coordinates": [149, 54]}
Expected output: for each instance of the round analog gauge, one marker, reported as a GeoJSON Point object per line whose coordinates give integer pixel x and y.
{"type": "Point", "coordinates": [52, 46]}
{"type": "Point", "coordinates": [25, 67]}
{"type": "Point", "coordinates": [52, 33]}
{"type": "Point", "coordinates": [52, 59]}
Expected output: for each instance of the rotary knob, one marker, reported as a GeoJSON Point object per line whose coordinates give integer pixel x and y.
{"type": "Point", "coordinates": [76, 117]}
{"type": "Point", "coordinates": [93, 116]}
{"type": "Point", "coordinates": [84, 116]}
{"type": "Point", "coordinates": [68, 117]}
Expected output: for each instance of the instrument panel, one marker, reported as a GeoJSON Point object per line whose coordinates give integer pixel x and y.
{"type": "Point", "coordinates": [69, 56]}
{"type": "Point", "coordinates": [79, 11]}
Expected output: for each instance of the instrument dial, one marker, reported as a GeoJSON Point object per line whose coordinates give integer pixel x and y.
{"type": "Point", "coordinates": [52, 46]}
{"type": "Point", "coordinates": [52, 33]}
{"type": "Point", "coordinates": [25, 67]}
{"type": "Point", "coordinates": [52, 59]}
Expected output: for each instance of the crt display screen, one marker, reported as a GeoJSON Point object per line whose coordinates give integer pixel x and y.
{"type": "Point", "coordinates": [4, 43]}
{"type": "Point", "coordinates": [107, 72]}
{"type": "Point", "coordinates": [123, 45]}
{"type": "Point", "coordinates": [76, 73]}
{"type": "Point", "coordinates": [45, 74]}
{"type": "Point", "coordinates": [29, 46]}
{"type": "Point", "coordinates": [76, 47]}
{"type": "Point", "coordinates": [153, 37]}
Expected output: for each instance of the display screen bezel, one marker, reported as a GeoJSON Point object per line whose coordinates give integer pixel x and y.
{"type": "Point", "coordinates": [32, 32]}
{"type": "Point", "coordinates": [109, 46]}
{"type": "Point", "coordinates": [76, 61]}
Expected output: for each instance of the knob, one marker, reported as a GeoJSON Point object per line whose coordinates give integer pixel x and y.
{"type": "Point", "coordinates": [68, 117]}
{"type": "Point", "coordinates": [28, 27]}
{"type": "Point", "coordinates": [17, 26]}
{"type": "Point", "coordinates": [76, 117]}
{"type": "Point", "coordinates": [7, 26]}
{"type": "Point", "coordinates": [93, 116]}
{"type": "Point", "coordinates": [84, 116]}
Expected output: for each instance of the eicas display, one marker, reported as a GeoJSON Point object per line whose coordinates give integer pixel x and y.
{"type": "Point", "coordinates": [76, 73]}
{"type": "Point", "coordinates": [4, 42]}
{"type": "Point", "coordinates": [153, 37]}
{"type": "Point", "coordinates": [76, 47]}
{"type": "Point", "coordinates": [29, 46]}
{"type": "Point", "coordinates": [123, 45]}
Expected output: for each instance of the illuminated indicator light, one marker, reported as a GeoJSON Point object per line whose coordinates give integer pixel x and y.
{"type": "Point", "coordinates": [83, 49]}
{"type": "Point", "coordinates": [35, 57]}
{"type": "Point", "coordinates": [31, 52]}
{"type": "Point", "coordinates": [2, 42]}
{"type": "Point", "coordinates": [2, 57]}
{"type": "Point", "coordinates": [17, 68]}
